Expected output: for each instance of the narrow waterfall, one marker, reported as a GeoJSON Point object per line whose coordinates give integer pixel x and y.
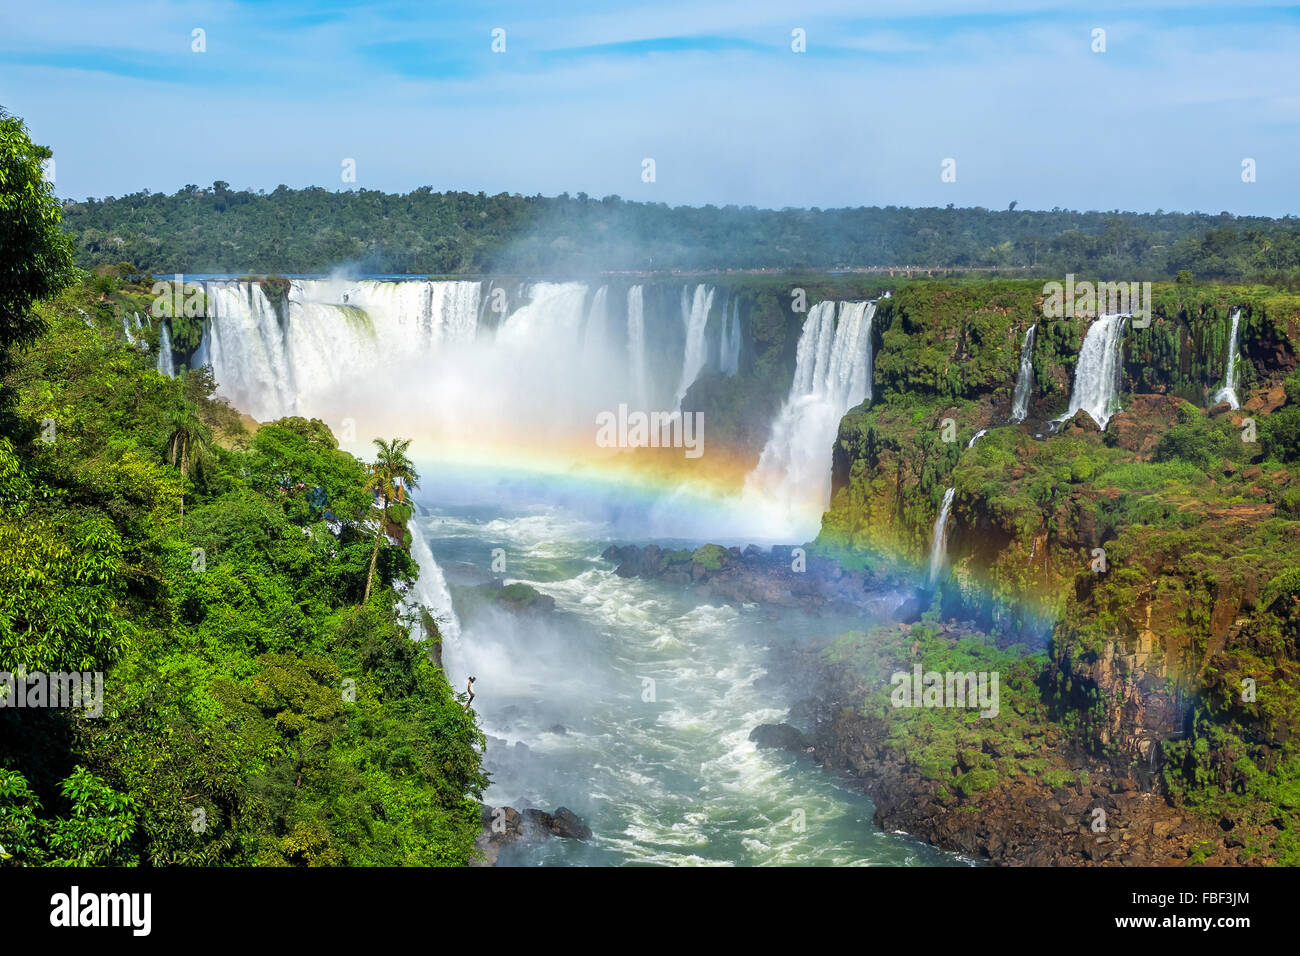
{"type": "Point", "coordinates": [1097, 374]}
{"type": "Point", "coordinates": [695, 317]}
{"type": "Point", "coordinates": [1229, 391]}
{"type": "Point", "coordinates": [430, 590]}
{"type": "Point", "coordinates": [1024, 378]}
{"type": "Point", "coordinates": [976, 437]}
{"type": "Point", "coordinates": [792, 481]}
{"type": "Point", "coordinates": [126, 330]}
{"type": "Point", "coordinates": [729, 344]}
{"type": "Point", "coordinates": [636, 345]}
{"type": "Point", "coordinates": [939, 545]}
{"type": "Point", "coordinates": [165, 365]}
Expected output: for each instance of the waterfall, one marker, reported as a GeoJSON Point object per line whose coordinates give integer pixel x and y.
{"type": "Point", "coordinates": [165, 365]}
{"type": "Point", "coordinates": [1229, 391]}
{"type": "Point", "coordinates": [1024, 378]}
{"type": "Point", "coordinates": [636, 344]}
{"type": "Point", "coordinates": [729, 344]}
{"type": "Point", "coordinates": [247, 350]}
{"type": "Point", "coordinates": [269, 366]}
{"type": "Point", "coordinates": [939, 546]}
{"type": "Point", "coordinates": [976, 437]}
{"type": "Point", "coordinates": [833, 363]}
{"type": "Point", "coordinates": [695, 317]}
{"type": "Point", "coordinates": [1097, 374]}
{"type": "Point", "coordinates": [554, 312]}
{"type": "Point", "coordinates": [596, 335]}
{"type": "Point", "coordinates": [126, 330]}
{"type": "Point", "coordinates": [430, 590]}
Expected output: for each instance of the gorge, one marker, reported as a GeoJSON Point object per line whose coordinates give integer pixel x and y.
{"type": "Point", "coordinates": [494, 370]}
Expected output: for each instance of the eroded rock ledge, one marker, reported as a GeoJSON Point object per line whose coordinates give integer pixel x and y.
{"type": "Point", "coordinates": [1111, 819]}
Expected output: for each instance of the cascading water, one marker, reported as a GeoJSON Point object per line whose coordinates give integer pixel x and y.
{"type": "Point", "coordinates": [247, 350]}
{"type": "Point", "coordinates": [636, 344]}
{"type": "Point", "coordinates": [1229, 391]}
{"type": "Point", "coordinates": [596, 335]}
{"type": "Point", "coordinates": [677, 781]}
{"type": "Point", "coordinates": [939, 544]}
{"type": "Point", "coordinates": [1097, 374]}
{"type": "Point", "coordinates": [430, 590]}
{"type": "Point", "coordinates": [695, 318]}
{"type": "Point", "coordinates": [333, 331]}
{"type": "Point", "coordinates": [165, 365]}
{"type": "Point", "coordinates": [729, 343]}
{"type": "Point", "coordinates": [833, 367]}
{"type": "Point", "coordinates": [1024, 378]}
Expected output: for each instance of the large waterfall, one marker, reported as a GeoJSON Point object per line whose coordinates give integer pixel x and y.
{"type": "Point", "coordinates": [1097, 374]}
{"type": "Point", "coordinates": [792, 482]}
{"type": "Point", "coordinates": [461, 363]}
{"type": "Point", "coordinates": [1024, 378]}
{"type": "Point", "coordinates": [939, 542]}
{"type": "Point", "coordinates": [1229, 391]}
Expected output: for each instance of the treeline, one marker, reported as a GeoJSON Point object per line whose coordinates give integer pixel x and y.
{"type": "Point", "coordinates": [217, 229]}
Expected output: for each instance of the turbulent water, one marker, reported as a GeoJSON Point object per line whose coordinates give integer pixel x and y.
{"type": "Point", "coordinates": [1229, 391]}
{"type": "Point", "coordinates": [1097, 374]}
{"type": "Point", "coordinates": [939, 544]}
{"type": "Point", "coordinates": [632, 703]}
{"type": "Point", "coordinates": [833, 368]}
{"type": "Point", "coordinates": [1024, 378]}
{"type": "Point", "coordinates": [662, 778]}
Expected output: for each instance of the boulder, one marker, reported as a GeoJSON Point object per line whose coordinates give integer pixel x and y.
{"type": "Point", "coordinates": [780, 737]}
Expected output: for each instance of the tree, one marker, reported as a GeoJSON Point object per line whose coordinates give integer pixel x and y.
{"type": "Point", "coordinates": [35, 255]}
{"type": "Point", "coordinates": [189, 440]}
{"type": "Point", "coordinates": [391, 474]}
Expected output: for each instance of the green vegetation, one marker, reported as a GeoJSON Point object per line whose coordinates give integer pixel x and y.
{"type": "Point", "coordinates": [262, 701]}
{"type": "Point", "coordinates": [1162, 549]}
{"type": "Point", "coordinates": [219, 229]}
{"type": "Point", "coordinates": [954, 745]}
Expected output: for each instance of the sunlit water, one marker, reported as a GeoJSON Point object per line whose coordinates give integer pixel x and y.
{"type": "Point", "coordinates": [663, 773]}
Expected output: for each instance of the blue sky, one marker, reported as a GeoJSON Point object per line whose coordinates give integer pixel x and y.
{"type": "Point", "coordinates": [712, 91]}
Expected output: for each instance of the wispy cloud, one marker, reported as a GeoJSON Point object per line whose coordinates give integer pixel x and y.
{"type": "Point", "coordinates": [712, 91]}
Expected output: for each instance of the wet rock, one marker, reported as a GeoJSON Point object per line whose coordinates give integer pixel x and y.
{"type": "Point", "coordinates": [504, 826]}
{"type": "Point", "coordinates": [780, 737]}
{"type": "Point", "coordinates": [567, 824]}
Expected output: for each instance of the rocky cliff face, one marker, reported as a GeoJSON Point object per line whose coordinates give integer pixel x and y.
{"type": "Point", "coordinates": [1148, 544]}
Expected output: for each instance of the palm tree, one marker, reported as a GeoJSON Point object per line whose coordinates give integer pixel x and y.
{"type": "Point", "coordinates": [188, 442]}
{"type": "Point", "coordinates": [391, 474]}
